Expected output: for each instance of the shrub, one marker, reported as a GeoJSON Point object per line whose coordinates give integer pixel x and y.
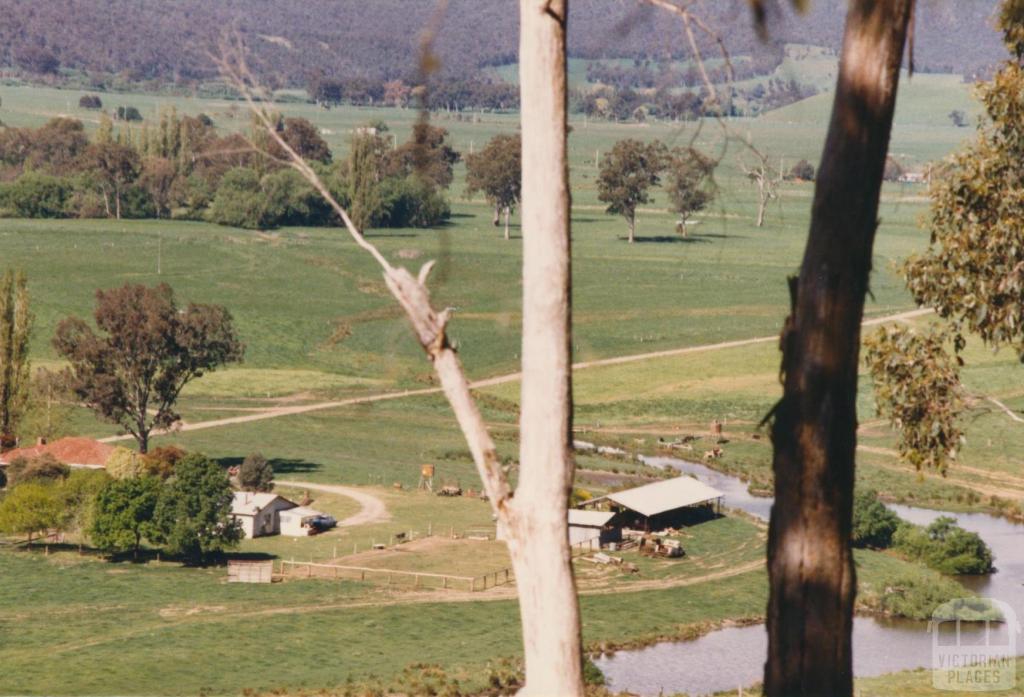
{"type": "Point", "coordinates": [90, 101]}
{"type": "Point", "coordinates": [256, 474]}
{"type": "Point", "coordinates": [160, 462]}
{"type": "Point", "coordinates": [802, 170]}
{"type": "Point", "coordinates": [39, 468]}
{"type": "Point", "coordinates": [945, 547]}
{"type": "Point", "coordinates": [239, 200]}
{"type": "Point", "coordinates": [36, 195]}
{"type": "Point", "coordinates": [127, 113]}
{"type": "Point", "coordinates": [873, 523]}
{"type": "Point", "coordinates": [410, 202]}
{"type": "Point", "coordinates": [78, 496]}
{"type": "Point", "coordinates": [31, 507]}
{"type": "Point", "coordinates": [124, 463]}
{"type": "Point", "coordinates": [914, 597]}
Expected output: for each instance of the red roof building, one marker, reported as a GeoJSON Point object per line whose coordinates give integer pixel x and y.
{"type": "Point", "coordinates": [72, 451]}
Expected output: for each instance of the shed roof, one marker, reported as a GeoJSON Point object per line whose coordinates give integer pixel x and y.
{"type": "Point", "coordinates": [666, 495]}
{"type": "Point", "coordinates": [251, 503]}
{"type": "Point", "coordinates": [589, 519]}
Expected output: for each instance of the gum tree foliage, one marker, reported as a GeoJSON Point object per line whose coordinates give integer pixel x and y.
{"type": "Point", "coordinates": [15, 331]}
{"type": "Point", "coordinates": [973, 271]}
{"type": "Point", "coordinates": [192, 516]}
{"type": "Point", "coordinates": [628, 171]}
{"type": "Point", "coordinates": [256, 474]}
{"type": "Point", "coordinates": [123, 514]}
{"type": "Point", "coordinates": [148, 349]}
{"type": "Point", "coordinates": [497, 172]}
{"type": "Point", "coordinates": [917, 387]}
{"type": "Point", "coordinates": [690, 184]}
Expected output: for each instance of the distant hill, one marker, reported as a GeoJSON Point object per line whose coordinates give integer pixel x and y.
{"type": "Point", "coordinates": [169, 40]}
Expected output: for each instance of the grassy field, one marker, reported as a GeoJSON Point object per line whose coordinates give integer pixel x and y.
{"type": "Point", "coordinates": [319, 325]}
{"type": "Point", "coordinates": [118, 621]}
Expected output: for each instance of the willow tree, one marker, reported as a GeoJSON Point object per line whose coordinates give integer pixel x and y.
{"type": "Point", "coordinates": [15, 330]}
{"type": "Point", "coordinates": [810, 563]}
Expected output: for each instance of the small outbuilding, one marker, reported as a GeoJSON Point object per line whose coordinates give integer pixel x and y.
{"type": "Point", "coordinates": [596, 527]}
{"type": "Point", "coordinates": [659, 505]}
{"type": "Point", "coordinates": [300, 521]}
{"type": "Point", "coordinates": [259, 514]}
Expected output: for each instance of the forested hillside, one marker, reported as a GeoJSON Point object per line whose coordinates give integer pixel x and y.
{"type": "Point", "coordinates": [169, 40]}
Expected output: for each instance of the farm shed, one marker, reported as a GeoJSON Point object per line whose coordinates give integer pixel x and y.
{"type": "Point", "coordinates": [296, 521]}
{"type": "Point", "coordinates": [259, 514]}
{"type": "Point", "coordinates": [589, 526]}
{"type": "Point", "coordinates": [664, 504]}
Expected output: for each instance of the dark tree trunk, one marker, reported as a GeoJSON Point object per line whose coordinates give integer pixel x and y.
{"type": "Point", "coordinates": [810, 609]}
{"type": "Point", "coordinates": [143, 439]}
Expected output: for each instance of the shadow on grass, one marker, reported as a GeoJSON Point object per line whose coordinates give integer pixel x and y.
{"type": "Point", "coordinates": [281, 465]}
{"type": "Point", "coordinates": [669, 239]}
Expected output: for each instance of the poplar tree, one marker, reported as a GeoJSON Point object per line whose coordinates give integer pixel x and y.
{"type": "Point", "coordinates": [15, 331]}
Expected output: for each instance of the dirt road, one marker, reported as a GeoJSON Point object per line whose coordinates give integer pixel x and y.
{"type": "Point", "coordinates": [276, 412]}
{"type": "Point", "coordinates": [373, 509]}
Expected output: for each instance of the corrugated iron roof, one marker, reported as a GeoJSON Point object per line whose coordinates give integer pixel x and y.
{"type": "Point", "coordinates": [251, 503]}
{"type": "Point", "coordinates": [666, 495]}
{"type": "Point", "coordinates": [589, 519]}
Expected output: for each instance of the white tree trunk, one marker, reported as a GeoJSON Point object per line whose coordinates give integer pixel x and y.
{"type": "Point", "coordinates": [538, 526]}
{"type": "Point", "coordinates": [508, 214]}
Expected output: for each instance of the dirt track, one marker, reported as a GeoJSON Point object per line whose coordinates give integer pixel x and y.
{"type": "Point", "coordinates": [275, 412]}
{"type": "Point", "coordinates": [373, 509]}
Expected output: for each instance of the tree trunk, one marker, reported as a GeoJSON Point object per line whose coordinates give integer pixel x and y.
{"type": "Point", "coordinates": [497, 215]}
{"type": "Point", "coordinates": [143, 439]}
{"type": "Point", "coordinates": [117, 202]}
{"type": "Point", "coordinates": [539, 539]}
{"type": "Point", "coordinates": [508, 214]}
{"type": "Point", "coordinates": [810, 609]}
{"type": "Point", "coordinates": [632, 227]}
{"type": "Point", "coordinates": [762, 204]}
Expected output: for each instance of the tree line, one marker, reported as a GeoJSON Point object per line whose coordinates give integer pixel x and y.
{"type": "Point", "coordinates": [181, 167]}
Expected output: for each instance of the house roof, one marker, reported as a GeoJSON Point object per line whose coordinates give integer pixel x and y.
{"type": "Point", "coordinates": [74, 451]}
{"type": "Point", "coordinates": [251, 503]}
{"type": "Point", "coordinates": [665, 495]}
{"type": "Point", "coordinates": [302, 512]}
{"type": "Point", "coordinates": [589, 519]}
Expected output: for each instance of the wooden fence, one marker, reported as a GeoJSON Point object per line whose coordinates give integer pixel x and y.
{"type": "Point", "coordinates": [394, 577]}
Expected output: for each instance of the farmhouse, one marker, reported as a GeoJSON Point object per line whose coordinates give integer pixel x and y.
{"type": "Point", "coordinates": [659, 505]}
{"type": "Point", "coordinates": [72, 451]}
{"type": "Point", "coordinates": [259, 514]}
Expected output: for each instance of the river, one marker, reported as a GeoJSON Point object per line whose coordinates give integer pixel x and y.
{"type": "Point", "coordinates": [734, 657]}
